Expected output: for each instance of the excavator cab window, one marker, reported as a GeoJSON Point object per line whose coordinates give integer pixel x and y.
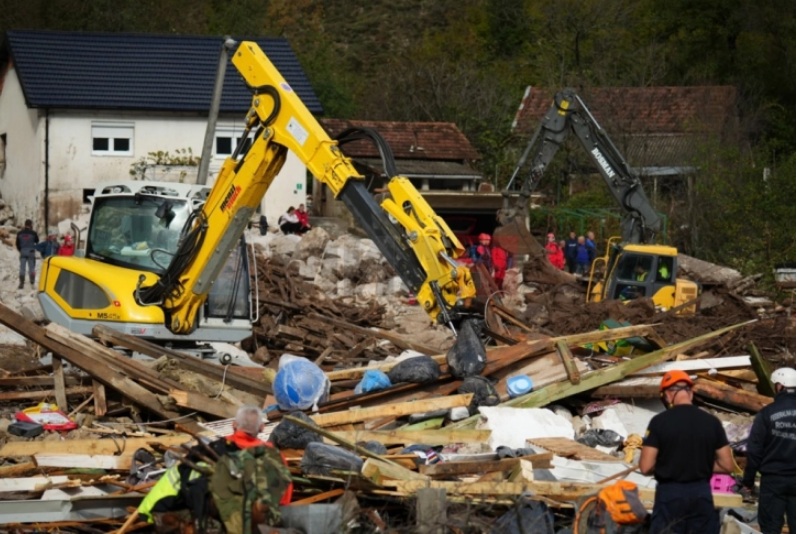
{"type": "Point", "coordinates": [634, 272]}
{"type": "Point", "coordinates": [133, 231]}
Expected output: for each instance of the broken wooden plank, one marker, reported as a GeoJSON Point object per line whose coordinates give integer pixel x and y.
{"type": "Point", "coordinates": [568, 448]}
{"type": "Point", "coordinates": [444, 436]}
{"type": "Point", "coordinates": [85, 461]}
{"type": "Point", "coordinates": [191, 363]}
{"type": "Point", "coordinates": [396, 339]}
{"type": "Point", "coordinates": [694, 365]}
{"type": "Point", "coordinates": [763, 371]}
{"type": "Point", "coordinates": [60, 384]}
{"type": "Point", "coordinates": [613, 373]}
{"type": "Point", "coordinates": [377, 471]}
{"type": "Point", "coordinates": [202, 403]}
{"type": "Point", "coordinates": [577, 339]}
{"type": "Point", "coordinates": [100, 403]}
{"type": "Point", "coordinates": [593, 379]}
{"type": "Point", "coordinates": [730, 395]}
{"type": "Point", "coordinates": [89, 446]}
{"type": "Point", "coordinates": [640, 387]}
{"type": "Point", "coordinates": [18, 470]}
{"type": "Point", "coordinates": [395, 410]}
{"type": "Point", "coordinates": [458, 468]}
{"type": "Point", "coordinates": [567, 360]}
{"type": "Point", "coordinates": [43, 394]}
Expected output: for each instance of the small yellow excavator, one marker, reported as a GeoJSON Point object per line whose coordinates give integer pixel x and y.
{"type": "Point", "coordinates": [164, 261]}
{"type": "Point", "coordinates": [632, 267]}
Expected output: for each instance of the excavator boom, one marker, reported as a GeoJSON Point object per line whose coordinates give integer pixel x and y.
{"type": "Point", "coordinates": [567, 116]}
{"type": "Point", "coordinates": [415, 241]}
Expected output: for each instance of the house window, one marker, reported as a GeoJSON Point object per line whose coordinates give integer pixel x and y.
{"type": "Point", "coordinates": [112, 139]}
{"type": "Point", "coordinates": [226, 141]}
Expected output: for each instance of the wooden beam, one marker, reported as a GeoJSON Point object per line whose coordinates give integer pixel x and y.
{"type": "Point", "coordinates": [542, 460]}
{"type": "Point", "coordinates": [567, 360]}
{"type": "Point", "coordinates": [443, 436]}
{"type": "Point", "coordinates": [187, 361]}
{"type": "Point", "coordinates": [730, 395]}
{"type": "Point", "coordinates": [763, 372]}
{"type": "Point", "coordinates": [43, 394]}
{"type": "Point", "coordinates": [395, 410]}
{"type": "Point", "coordinates": [202, 403]}
{"type": "Point", "coordinates": [577, 339]}
{"type": "Point", "coordinates": [594, 379]}
{"type": "Point", "coordinates": [100, 403]}
{"type": "Point", "coordinates": [60, 384]}
{"type": "Point", "coordinates": [397, 340]}
{"type": "Point", "coordinates": [89, 446]}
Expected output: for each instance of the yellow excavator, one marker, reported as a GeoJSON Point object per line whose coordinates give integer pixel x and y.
{"type": "Point", "coordinates": [166, 261]}
{"type": "Point", "coordinates": [632, 266]}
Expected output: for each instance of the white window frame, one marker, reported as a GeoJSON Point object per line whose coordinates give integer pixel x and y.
{"type": "Point", "coordinates": [227, 132]}
{"type": "Point", "coordinates": [112, 131]}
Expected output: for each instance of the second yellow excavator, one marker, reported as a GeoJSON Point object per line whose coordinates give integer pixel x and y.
{"type": "Point", "coordinates": [632, 266]}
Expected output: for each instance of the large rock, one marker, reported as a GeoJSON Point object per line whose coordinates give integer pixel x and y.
{"type": "Point", "coordinates": [344, 288]}
{"type": "Point", "coordinates": [370, 291]}
{"type": "Point", "coordinates": [323, 283]}
{"type": "Point", "coordinates": [396, 287]}
{"type": "Point", "coordinates": [310, 268]}
{"type": "Point", "coordinates": [313, 243]}
{"type": "Point", "coordinates": [283, 246]}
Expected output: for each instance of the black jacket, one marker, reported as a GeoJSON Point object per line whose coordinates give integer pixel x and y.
{"type": "Point", "coordinates": [26, 241]}
{"type": "Point", "coordinates": [770, 447]}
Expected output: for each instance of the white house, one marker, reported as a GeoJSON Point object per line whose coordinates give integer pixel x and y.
{"type": "Point", "coordinates": [77, 109]}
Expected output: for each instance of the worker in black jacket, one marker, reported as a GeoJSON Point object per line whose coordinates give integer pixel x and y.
{"type": "Point", "coordinates": [771, 452]}
{"type": "Point", "coordinates": [27, 239]}
{"type": "Point", "coordinates": [682, 448]}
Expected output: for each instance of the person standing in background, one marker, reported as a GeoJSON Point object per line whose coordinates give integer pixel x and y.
{"type": "Point", "coordinates": [571, 252]}
{"type": "Point", "coordinates": [27, 239]}
{"type": "Point", "coordinates": [68, 247]}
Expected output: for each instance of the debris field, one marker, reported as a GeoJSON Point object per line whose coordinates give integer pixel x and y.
{"type": "Point", "coordinates": [404, 435]}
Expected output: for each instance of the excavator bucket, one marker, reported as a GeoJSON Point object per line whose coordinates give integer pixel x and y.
{"type": "Point", "coordinates": [515, 238]}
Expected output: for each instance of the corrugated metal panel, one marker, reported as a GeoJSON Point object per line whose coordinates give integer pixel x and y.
{"type": "Point", "coordinates": [141, 72]}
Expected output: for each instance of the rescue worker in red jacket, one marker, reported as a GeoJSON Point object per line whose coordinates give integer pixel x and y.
{"type": "Point", "coordinates": [555, 253]}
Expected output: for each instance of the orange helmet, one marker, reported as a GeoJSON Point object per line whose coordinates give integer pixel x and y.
{"type": "Point", "coordinates": [671, 378]}
{"type": "Point", "coordinates": [484, 237]}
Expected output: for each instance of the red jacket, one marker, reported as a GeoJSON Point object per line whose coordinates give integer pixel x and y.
{"type": "Point", "coordinates": [244, 441]}
{"type": "Point", "coordinates": [556, 255]}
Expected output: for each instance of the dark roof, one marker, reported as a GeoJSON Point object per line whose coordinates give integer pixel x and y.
{"type": "Point", "coordinates": [408, 140]}
{"type": "Point", "coordinates": [651, 126]}
{"type": "Point", "coordinates": [126, 71]}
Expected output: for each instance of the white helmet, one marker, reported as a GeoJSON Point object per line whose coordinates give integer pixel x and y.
{"type": "Point", "coordinates": [786, 377]}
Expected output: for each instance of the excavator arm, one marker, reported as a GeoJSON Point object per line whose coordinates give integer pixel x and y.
{"type": "Point", "coordinates": [415, 241]}
{"type": "Point", "coordinates": [569, 115]}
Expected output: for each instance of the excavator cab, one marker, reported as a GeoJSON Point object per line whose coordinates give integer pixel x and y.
{"type": "Point", "coordinates": [628, 272]}
{"type": "Point", "coordinates": [135, 229]}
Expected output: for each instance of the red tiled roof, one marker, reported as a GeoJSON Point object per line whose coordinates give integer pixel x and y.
{"type": "Point", "coordinates": [642, 110]}
{"type": "Point", "coordinates": [408, 140]}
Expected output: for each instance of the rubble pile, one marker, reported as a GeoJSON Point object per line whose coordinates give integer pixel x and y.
{"type": "Point", "coordinates": [392, 430]}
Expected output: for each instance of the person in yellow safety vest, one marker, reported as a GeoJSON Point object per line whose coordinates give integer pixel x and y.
{"type": "Point", "coordinates": [168, 494]}
{"type": "Point", "coordinates": [664, 272]}
{"type": "Point", "coordinates": [640, 273]}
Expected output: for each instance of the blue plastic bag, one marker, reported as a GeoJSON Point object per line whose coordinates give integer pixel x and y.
{"type": "Point", "coordinates": [300, 384]}
{"type": "Point", "coordinates": [373, 380]}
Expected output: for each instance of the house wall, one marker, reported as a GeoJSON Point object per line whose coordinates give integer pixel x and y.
{"type": "Point", "coordinates": [74, 169]}
{"type": "Point", "coordinates": [21, 163]}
